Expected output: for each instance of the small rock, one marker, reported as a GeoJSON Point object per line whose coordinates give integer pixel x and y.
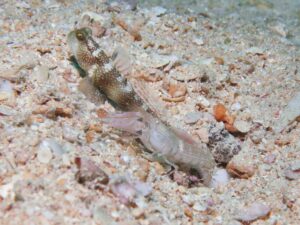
{"type": "Point", "coordinates": [66, 160]}
{"type": "Point", "coordinates": [192, 117]}
{"type": "Point", "coordinates": [143, 169]}
{"type": "Point", "coordinates": [222, 77]}
{"type": "Point", "coordinates": [181, 178]}
{"type": "Point", "coordinates": [138, 213]}
{"type": "Point", "coordinates": [6, 111]}
{"type": "Point", "coordinates": [203, 134]}
{"type": "Point", "coordinates": [199, 207]}
{"type": "Point", "coordinates": [48, 215]}
{"type": "Point", "coordinates": [68, 147]}
{"type": "Point", "coordinates": [44, 154]}
{"type": "Point", "coordinates": [6, 91]}
{"type": "Point", "coordinates": [174, 88]}
{"type": "Point", "coordinates": [70, 133]}
{"type": "Point", "coordinates": [221, 114]}
{"type": "Point", "coordinates": [132, 4]}
{"type": "Point", "coordinates": [270, 158]}
{"type": "Point", "coordinates": [290, 113]}
{"type": "Point", "coordinates": [219, 60]}
{"type": "Point", "coordinates": [236, 106]}
{"type": "Point", "coordinates": [22, 157]}
{"type": "Point", "coordinates": [63, 112]}
{"type": "Point", "coordinates": [188, 212]}
{"type": "Point", "coordinates": [29, 62]}
{"type": "Point", "coordinates": [293, 172]}
{"type": "Point", "coordinates": [158, 11]}
{"type": "Point", "coordinates": [100, 214]}
{"type": "Point", "coordinates": [41, 73]}
{"type": "Point", "coordinates": [220, 177]}
{"type": "Point", "coordinates": [206, 61]}
{"type": "Point", "coordinates": [240, 168]}
{"type": "Point", "coordinates": [142, 188]}
{"type": "Point", "coordinates": [7, 191]}
{"type": "Point", "coordinates": [222, 144]}
{"type": "Point", "coordinates": [255, 50]}
{"type": "Point", "coordinates": [257, 136]}
{"type": "Point", "coordinates": [127, 191]}
{"type": "Point", "coordinates": [93, 16]}
{"type": "Point", "coordinates": [53, 145]}
{"type": "Point", "coordinates": [160, 61]}
{"type": "Point", "coordinates": [203, 102]}
{"type": "Point", "coordinates": [198, 41]}
{"type": "Point", "coordinates": [90, 174]}
{"type": "Point", "coordinates": [24, 5]}
{"type": "Point", "coordinates": [279, 29]}
{"type": "Point", "coordinates": [124, 191]}
{"type": "Point", "coordinates": [253, 212]}
{"type": "Point", "coordinates": [242, 126]}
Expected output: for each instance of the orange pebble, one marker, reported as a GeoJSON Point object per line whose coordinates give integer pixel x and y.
{"type": "Point", "coordinates": [90, 136]}
{"type": "Point", "coordinates": [220, 112]}
{"type": "Point", "coordinates": [101, 113]}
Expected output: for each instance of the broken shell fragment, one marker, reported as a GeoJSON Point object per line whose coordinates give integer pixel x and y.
{"type": "Point", "coordinates": [220, 178]}
{"type": "Point", "coordinates": [240, 169]}
{"type": "Point", "coordinates": [6, 111]}
{"type": "Point", "coordinates": [127, 191]}
{"type": "Point", "coordinates": [253, 212]}
{"type": "Point", "coordinates": [63, 112]}
{"type": "Point", "coordinates": [192, 117]}
{"type": "Point", "coordinates": [219, 60]}
{"type": "Point", "coordinates": [176, 91]}
{"type": "Point", "coordinates": [290, 113]}
{"type": "Point", "coordinates": [269, 159]}
{"type": "Point", "coordinates": [90, 174]}
{"type": "Point", "coordinates": [203, 134]}
{"type": "Point", "coordinates": [44, 154]}
{"type": "Point", "coordinates": [161, 61]}
{"type": "Point", "coordinates": [7, 93]}
{"type": "Point", "coordinates": [242, 126]}
{"type": "Point", "coordinates": [198, 41]}
{"type": "Point", "coordinates": [134, 31]}
{"type": "Point", "coordinates": [41, 74]}
{"type": "Point", "coordinates": [293, 172]}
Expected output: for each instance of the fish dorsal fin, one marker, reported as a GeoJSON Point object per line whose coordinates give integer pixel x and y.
{"type": "Point", "coordinates": [121, 61]}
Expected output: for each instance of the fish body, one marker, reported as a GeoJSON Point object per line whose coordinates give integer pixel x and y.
{"type": "Point", "coordinates": [176, 146]}
{"type": "Point", "coordinates": [101, 70]}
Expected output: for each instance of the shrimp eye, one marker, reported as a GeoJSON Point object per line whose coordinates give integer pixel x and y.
{"type": "Point", "coordinates": [79, 36]}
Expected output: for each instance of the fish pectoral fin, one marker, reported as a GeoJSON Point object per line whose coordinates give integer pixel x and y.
{"type": "Point", "coordinates": [121, 61]}
{"type": "Point", "coordinates": [90, 91]}
{"type": "Point", "coordinates": [74, 62]}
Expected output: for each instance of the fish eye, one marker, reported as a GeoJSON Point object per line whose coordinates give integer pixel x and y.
{"type": "Point", "coordinates": [88, 31]}
{"type": "Point", "coordinates": [79, 36]}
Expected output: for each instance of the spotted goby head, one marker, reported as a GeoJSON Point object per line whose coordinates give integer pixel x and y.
{"type": "Point", "coordinates": [86, 51]}
{"type": "Point", "coordinates": [101, 70]}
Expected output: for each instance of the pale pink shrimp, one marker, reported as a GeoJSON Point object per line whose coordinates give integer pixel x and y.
{"type": "Point", "coordinates": [177, 147]}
